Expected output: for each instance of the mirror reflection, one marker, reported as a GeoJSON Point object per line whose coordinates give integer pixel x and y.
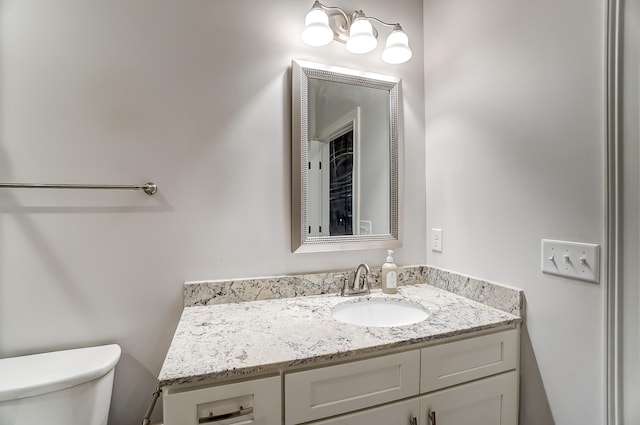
{"type": "Point", "coordinates": [344, 162]}
{"type": "Point", "coordinates": [349, 159]}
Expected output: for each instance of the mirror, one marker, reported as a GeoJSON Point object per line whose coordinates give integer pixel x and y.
{"type": "Point", "coordinates": [345, 145]}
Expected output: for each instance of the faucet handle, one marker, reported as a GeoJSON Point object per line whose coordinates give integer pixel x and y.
{"type": "Point", "coordinates": [344, 285]}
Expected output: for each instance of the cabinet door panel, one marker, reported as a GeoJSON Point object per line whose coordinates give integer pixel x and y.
{"type": "Point", "coordinates": [399, 413]}
{"type": "Point", "coordinates": [489, 401]}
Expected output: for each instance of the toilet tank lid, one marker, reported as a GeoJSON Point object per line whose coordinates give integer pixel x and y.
{"type": "Point", "coordinates": [36, 374]}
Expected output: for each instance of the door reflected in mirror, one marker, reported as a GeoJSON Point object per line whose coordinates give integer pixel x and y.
{"type": "Point", "coordinates": [333, 201]}
{"type": "Point", "coordinates": [344, 159]}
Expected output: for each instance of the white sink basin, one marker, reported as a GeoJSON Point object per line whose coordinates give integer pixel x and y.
{"type": "Point", "coordinates": [379, 313]}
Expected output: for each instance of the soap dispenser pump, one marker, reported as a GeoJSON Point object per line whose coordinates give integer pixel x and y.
{"type": "Point", "coordinates": [389, 275]}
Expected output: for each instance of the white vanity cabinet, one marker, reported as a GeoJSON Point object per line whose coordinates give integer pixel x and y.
{"type": "Point", "coordinates": [466, 381]}
{"type": "Point", "coordinates": [469, 381]}
{"type": "Point", "coordinates": [489, 401]}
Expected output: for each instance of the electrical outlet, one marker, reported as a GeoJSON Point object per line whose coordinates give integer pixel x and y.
{"type": "Point", "coordinates": [436, 240]}
{"type": "Point", "coordinates": [573, 260]}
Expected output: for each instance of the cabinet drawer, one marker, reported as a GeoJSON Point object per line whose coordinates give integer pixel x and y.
{"type": "Point", "coordinates": [461, 361]}
{"type": "Point", "coordinates": [256, 402]}
{"type": "Point", "coordinates": [320, 393]}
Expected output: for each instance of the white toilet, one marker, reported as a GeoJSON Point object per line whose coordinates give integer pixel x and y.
{"type": "Point", "coordinates": [71, 387]}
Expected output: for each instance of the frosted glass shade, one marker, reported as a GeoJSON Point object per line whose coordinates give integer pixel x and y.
{"type": "Point", "coordinates": [361, 38]}
{"type": "Point", "coordinates": [316, 28]}
{"type": "Point", "coordinates": [397, 48]}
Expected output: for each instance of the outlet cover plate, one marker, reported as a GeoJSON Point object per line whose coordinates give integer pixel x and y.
{"type": "Point", "coordinates": [573, 260]}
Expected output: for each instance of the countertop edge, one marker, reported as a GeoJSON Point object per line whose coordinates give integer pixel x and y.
{"type": "Point", "coordinates": [281, 367]}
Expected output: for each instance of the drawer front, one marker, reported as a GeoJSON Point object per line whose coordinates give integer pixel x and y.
{"type": "Point", "coordinates": [256, 402]}
{"type": "Point", "coordinates": [461, 361]}
{"type": "Point", "coordinates": [328, 391]}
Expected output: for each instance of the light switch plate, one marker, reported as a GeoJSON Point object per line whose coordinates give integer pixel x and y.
{"type": "Point", "coordinates": [365, 227]}
{"type": "Point", "coordinates": [436, 240]}
{"type": "Point", "coordinates": [573, 260]}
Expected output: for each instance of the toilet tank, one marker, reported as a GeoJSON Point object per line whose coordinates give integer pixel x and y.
{"type": "Point", "coordinates": [71, 387]}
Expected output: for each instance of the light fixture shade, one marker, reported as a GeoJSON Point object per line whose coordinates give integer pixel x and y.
{"type": "Point", "coordinates": [361, 38]}
{"type": "Point", "coordinates": [397, 48]}
{"type": "Point", "coordinates": [316, 28]}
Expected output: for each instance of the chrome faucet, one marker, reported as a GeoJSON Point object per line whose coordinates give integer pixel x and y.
{"type": "Point", "coordinates": [360, 284]}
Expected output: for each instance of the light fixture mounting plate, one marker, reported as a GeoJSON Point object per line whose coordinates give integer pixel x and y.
{"type": "Point", "coordinates": [340, 27]}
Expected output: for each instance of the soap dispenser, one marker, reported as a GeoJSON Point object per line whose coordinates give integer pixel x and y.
{"type": "Point", "coordinates": [389, 275]}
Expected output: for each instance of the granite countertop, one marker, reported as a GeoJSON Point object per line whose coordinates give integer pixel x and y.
{"type": "Point", "coordinates": [249, 338]}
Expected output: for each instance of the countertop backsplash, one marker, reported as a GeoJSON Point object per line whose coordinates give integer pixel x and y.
{"type": "Point", "coordinates": [496, 295]}
{"type": "Point", "coordinates": [202, 293]}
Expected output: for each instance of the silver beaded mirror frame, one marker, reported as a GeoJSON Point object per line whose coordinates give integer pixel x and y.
{"type": "Point", "coordinates": [304, 75]}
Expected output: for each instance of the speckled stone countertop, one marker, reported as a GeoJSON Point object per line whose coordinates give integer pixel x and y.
{"type": "Point", "coordinates": [251, 338]}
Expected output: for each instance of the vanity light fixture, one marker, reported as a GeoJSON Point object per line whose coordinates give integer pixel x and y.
{"type": "Point", "coordinates": [326, 23]}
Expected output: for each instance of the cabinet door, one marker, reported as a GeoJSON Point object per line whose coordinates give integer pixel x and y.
{"type": "Point", "coordinates": [398, 413]}
{"type": "Point", "coordinates": [489, 401]}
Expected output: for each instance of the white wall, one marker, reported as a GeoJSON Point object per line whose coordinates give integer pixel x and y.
{"type": "Point", "coordinates": [194, 95]}
{"type": "Point", "coordinates": [515, 153]}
